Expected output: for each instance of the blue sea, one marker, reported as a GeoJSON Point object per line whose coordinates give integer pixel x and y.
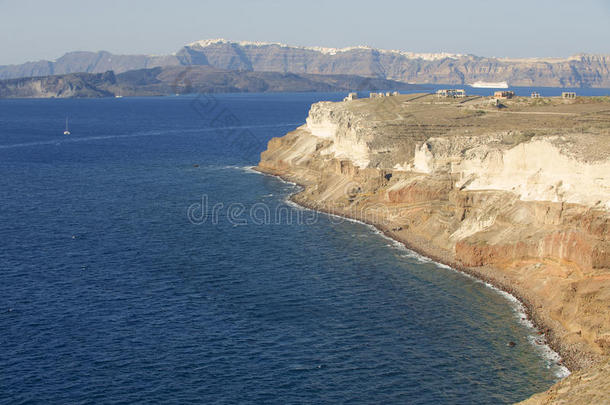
{"type": "Point", "coordinates": [139, 264]}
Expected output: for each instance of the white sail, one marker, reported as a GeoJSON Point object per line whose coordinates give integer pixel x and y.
{"type": "Point", "coordinates": [67, 131]}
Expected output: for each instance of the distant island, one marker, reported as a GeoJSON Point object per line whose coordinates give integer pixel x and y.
{"type": "Point", "coordinates": [581, 70]}
{"type": "Point", "coordinates": [176, 80]}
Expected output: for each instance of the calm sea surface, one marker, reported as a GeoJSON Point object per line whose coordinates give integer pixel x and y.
{"type": "Point", "coordinates": [138, 264]}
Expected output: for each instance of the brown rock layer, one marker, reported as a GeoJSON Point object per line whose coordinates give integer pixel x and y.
{"type": "Point", "coordinates": [552, 255]}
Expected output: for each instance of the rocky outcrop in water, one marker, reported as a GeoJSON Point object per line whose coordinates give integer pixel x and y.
{"type": "Point", "coordinates": [518, 196]}
{"type": "Point", "coordinates": [576, 71]}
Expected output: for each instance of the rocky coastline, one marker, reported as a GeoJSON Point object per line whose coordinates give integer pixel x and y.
{"type": "Point", "coordinates": [432, 174]}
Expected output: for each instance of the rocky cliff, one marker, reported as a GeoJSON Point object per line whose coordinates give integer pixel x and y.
{"type": "Point", "coordinates": [86, 62]}
{"type": "Point", "coordinates": [518, 195]}
{"type": "Point", "coordinates": [85, 85]}
{"type": "Point", "coordinates": [576, 71]}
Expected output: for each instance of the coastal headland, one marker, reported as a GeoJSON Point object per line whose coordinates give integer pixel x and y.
{"type": "Point", "coordinates": [514, 191]}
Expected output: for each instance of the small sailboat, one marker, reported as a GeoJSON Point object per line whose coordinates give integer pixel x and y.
{"type": "Point", "coordinates": [67, 131]}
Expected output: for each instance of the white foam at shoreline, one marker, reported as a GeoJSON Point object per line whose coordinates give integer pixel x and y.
{"type": "Point", "coordinates": [245, 169]}
{"type": "Point", "coordinates": [250, 169]}
{"type": "Point", "coordinates": [292, 183]}
{"type": "Point", "coordinates": [537, 340]}
{"type": "Point", "coordinates": [294, 205]}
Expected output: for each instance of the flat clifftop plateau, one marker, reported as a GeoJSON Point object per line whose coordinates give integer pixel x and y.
{"type": "Point", "coordinates": [576, 71]}
{"type": "Point", "coordinates": [515, 193]}
{"type": "Point", "coordinates": [540, 149]}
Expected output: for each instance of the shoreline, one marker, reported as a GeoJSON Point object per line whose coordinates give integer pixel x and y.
{"type": "Point", "coordinates": [512, 197]}
{"type": "Point", "coordinates": [566, 363]}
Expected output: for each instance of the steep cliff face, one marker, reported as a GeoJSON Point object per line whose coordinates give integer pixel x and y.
{"type": "Point", "coordinates": [64, 86]}
{"type": "Point", "coordinates": [518, 196]}
{"type": "Point", "coordinates": [540, 186]}
{"type": "Point", "coordinates": [86, 62]}
{"type": "Point", "coordinates": [576, 71]}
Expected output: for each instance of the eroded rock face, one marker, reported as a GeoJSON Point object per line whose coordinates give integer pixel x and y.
{"type": "Point", "coordinates": [520, 202]}
{"type": "Point", "coordinates": [67, 86]}
{"type": "Point", "coordinates": [536, 170]}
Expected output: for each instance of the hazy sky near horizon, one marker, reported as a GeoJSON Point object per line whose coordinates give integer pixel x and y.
{"type": "Point", "coordinates": [36, 29]}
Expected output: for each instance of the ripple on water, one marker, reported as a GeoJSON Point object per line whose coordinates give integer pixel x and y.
{"type": "Point", "coordinates": [143, 306]}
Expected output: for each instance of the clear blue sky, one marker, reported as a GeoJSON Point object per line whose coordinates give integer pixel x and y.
{"type": "Point", "coordinates": [36, 29]}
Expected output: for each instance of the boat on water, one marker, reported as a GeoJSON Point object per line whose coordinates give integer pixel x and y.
{"type": "Point", "coordinates": [490, 85]}
{"type": "Point", "coordinates": [67, 131]}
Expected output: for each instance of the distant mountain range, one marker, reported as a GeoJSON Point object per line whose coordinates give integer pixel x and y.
{"type": "Point", "coordinates": [576, 71]}
{"type": "Point", "coordinates": [184, 80]}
